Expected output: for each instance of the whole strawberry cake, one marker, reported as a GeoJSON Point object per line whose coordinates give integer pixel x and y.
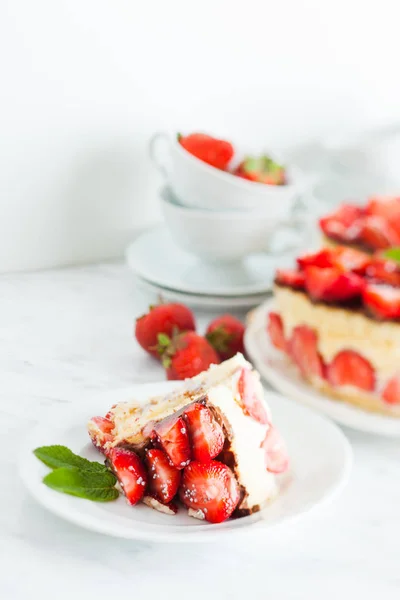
{"type": "Point", "coordinates": [209, 446]}
{"type": "Point", "coordinates": [371, 227]}
{"type": "Point", "coordinates": [338, 319]}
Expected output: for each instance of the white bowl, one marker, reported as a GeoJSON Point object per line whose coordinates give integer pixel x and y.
{"type": "Point", "coordinates": [199, 185]}
{"type": "Point", "coordinates": [223, 237]}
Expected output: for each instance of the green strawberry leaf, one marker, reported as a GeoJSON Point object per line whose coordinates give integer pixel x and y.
{"type": "Point", "coordinates": [90, 485]}
{"type": "Point", "coordinates": [163, 340]}
{"type": "Point", "coordinates": [392, 254]}
{"type": "Point", "coordinates": [61, 456]}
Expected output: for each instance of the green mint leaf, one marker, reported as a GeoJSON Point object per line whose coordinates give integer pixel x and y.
{"type": "Point", "coordinates": [98, 487]}
{"type": "Point", "coordinates": [61, 456]}
{"type": "Point", "coordinates": [393, 254]}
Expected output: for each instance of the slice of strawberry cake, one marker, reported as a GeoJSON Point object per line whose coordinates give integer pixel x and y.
{"type": "Point", "coordinates": [210, 445]}
{"type": "Point", "coordinates": [338, 319]}
{"type": "Point", "coordinates": [371, 227]}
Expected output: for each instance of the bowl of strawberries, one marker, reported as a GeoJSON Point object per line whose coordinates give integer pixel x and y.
{"type": "Point", "coordinates": [205, 172]}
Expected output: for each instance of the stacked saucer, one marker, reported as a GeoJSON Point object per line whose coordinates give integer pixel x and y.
{"type": "Point", "coordinates": [223, 236]}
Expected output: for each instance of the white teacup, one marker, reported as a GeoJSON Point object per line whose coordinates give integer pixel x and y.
{"type": "Point", "coordinates": [199, 185]}
{"type": "Point", "coordinates": [227, 237]}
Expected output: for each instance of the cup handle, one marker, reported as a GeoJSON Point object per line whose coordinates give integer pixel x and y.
{"type": "Point", "coordinates": [298, 224]}
{"type": "Point", "coordinates": [157, 141]}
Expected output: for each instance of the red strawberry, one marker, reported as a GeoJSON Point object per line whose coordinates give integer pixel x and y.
{"type": "Point", "coordinates": [291, 278]}
{"type": "Point", "coordinates": [332, 285]}
{"type": "Point", "coordinates": [322, 258]}
{"type": "Point", "coordinates": [344, 224]}
{"type": "Point", "coordinates": [225, 335]}
{"type": "Point", "coordinates": [100, 431]}
{"type": "Point", "coordinates": [130, 472]}
{"type": "Point", "coordinates": [261, 169]}
{"type": "Point", "coordinates": [211, 488]}
{"type": "Point", "coordinates": [349, 259]}
{"type": "Point", "coordinates": [206, 435]}
{"type": "Point", "coordinates": [377, 233]}
{"type": "Point", "coordinates": [275, 331]}
{"type": "Point", "coordinates": [303, 348]}
{"type": "Point", "coordinates": [382, 300]}
{"type": "Point", "coordinates": [212, 151]}
{"type": "Point", "coordinates": [164, 479]}
{"type": "Point", "coordinates": [162, 318]}
{"type": "Point", "coordinates": [276, 455]}
{"type": "Point", "coordinates": [391, 392]}
{"type": "Point", "coordinates": [349, 368]}
{"type": "Point", "coordinates": [187, 355]}
{"type": "Point", "coordinates": [387, 207]}
{"type": "Point", "coordinates": [172, 436]}
{"type": "Point", "coordinates": [385, 270]}
{"type": "Point", "coordinates": [247, 388]}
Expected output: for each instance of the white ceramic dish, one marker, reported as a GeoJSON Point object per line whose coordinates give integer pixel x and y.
{"type": "Point", "coordinates": [199, 185]}
{"type": "Point", "coordinates": [283, 376]}
{"type": "Point", "coordinates": [226, 237]}
{"type": "Point", "coordinates": [199, 300]}
{"type": "Point", "coordinates": [154, 256]}
{"type": "Point", "coordinates": [321, 463]}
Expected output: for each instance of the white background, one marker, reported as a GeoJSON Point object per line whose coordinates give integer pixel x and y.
{"type": "Point", "coordinates": [84, 83]}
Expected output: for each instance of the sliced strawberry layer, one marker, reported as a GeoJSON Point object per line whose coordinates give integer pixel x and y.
{"type": "Point", "coordinates": [130, 472]}
{"type": "Point", "coordinates": [382, 300]}
{"type": "Point", "coordinates": [385, 270]}
{"type": "Point", "coordinates": [275, 331]}
{"type": "Point", "coordinates": [211, 488]}
{"type": "Point", "coordinates": [322, 259]}
{"type": "Point", "coordinates": [304, 351]}
{"type": "Point", "coordinates": [164, 479]}
{"type": "Point", "coordinates": [276, 454]}
{"type": "Point", "coordinates": [171, 433]}
{"type": "Point", "coordinates": [291, 278]}
{"type": "Point", "coordinates": [332, 285]}
{"type": "Point", "coordinates": [391, 392]}
{"type": "Point", "coordinates": [100, 431]}
{"type": "Point", "coordinates": [206, 435]}
{"type": "Point", "coordinates": [349, 368]}
{"type": "Point", "coordinates": [248, 391]}
{"type": "Point", "coordinates": [344, 259]}
{"type": "Point", "coordinates": [378, 233]}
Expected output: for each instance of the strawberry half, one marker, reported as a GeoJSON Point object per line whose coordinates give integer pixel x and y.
{"type": "Point", "coordinates": [210, 488]}
{"type": "Point", "coordinates": [385, 270]}
{"type": "Point", "coordinates": [130, 472]}
{"type": "Point", "coordinates": [344, 224]}
{"type": "Point", "coordinates": [322, 259]}
{"type": "Point", "coordinates": [100, 431]}
{"type": "Point", "coordinates": [344, 259]}
{"type": "Point", "coordinates": [172, 435]}
{"type": "Point", "coordinates": [275, 331]}
{"type": "Point", "coordinates": [332, 285]}
{"type": "Point", "coordinates": [349, 368]}
{"type": "Point", "coordinates": [247, 388]}
{"type": "Point", "coordinates": [164, 479]}
{"type": "Point", "coordinates": [291, 278]}
{"type": "Point", "coordinates": [276, 454]}
{"type": "Point", "coordinates": [206, 435]}
{"type": "Point", "coordinates": [387, 207]}
{"type": "Point", "coordinates": [382, 300]}
{"type": "Point", "coordinates": [303, 348]}
{"type": "Point", "coordinates": [377, 233]}
{"type": "Point", "coordinates": [391, 392]}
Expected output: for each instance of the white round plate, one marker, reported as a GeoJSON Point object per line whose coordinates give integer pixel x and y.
{"type": "Point", "coordinates": [156, 258]}
{"type": "Point", "coordinates": [321, 459]}
{"type": "Point", "coordinates": [200, 300]}
{"type": "Point", "coordinates": [283, 376]}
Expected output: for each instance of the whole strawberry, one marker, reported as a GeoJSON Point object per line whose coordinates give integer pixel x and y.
{"type": "Point", "coordinates": [162, 318]}
{"type": "Point", "coordinates": [186, 355]}
{"type": "Point", "coordinates": [261, 169]}
{"type": "Point", "coordinates": [212, 151]}
{"type": "Point", "coordinates": [225, 334]}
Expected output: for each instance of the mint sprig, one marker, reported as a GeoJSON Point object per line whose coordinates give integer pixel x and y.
{"type": "Point", "coordinates": [61, 456]}
{"type": "Point", "coordinates": [98, 487]}
{"type": "Point", "coordinates": [392, 254]}
{"type": "Point", "coordinates": [77, 476]}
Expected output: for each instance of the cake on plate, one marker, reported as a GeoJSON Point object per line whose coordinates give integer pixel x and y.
{"type": "Point", "coordinates": [371, 227]}
{"type": "Point", "coordinates": [337, 318]}
{"type": "Point", "coordinates": [210, 444]}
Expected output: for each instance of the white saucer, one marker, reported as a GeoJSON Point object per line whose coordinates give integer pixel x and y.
{"type": "Point", "coordinates": [283, 376]}
{"type": "Point", "coordinates": [156, 258]}
{"type": "Point", "coordinates": [321, 459]}
{"type": "Point", "coordinates": [199, 300]}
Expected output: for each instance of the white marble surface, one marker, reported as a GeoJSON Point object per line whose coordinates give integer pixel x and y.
{"type": "Point", "coordinates": [67, 331]}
